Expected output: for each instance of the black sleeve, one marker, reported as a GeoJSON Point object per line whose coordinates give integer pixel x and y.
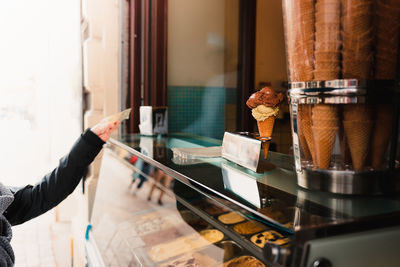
{"type": "Point", "coordinates": [32, 201]}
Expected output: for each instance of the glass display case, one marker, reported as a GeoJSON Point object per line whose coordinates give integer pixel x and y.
{"type": "Point", "coordinates": [343, 72]}
{"type": "Point", "coordinates": [154, 209]}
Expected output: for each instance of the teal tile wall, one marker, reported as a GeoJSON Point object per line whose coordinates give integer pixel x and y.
{"type": "Point", "coordinates": [198, 110]}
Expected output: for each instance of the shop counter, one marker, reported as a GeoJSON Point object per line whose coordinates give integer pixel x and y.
{"type": "Point", "coordinates": [154, 208]}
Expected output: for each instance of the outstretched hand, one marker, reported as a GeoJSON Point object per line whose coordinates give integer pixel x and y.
{"type": "Point", "coordinates": [104, 129]}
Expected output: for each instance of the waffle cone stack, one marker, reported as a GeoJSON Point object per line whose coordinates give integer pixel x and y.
{"type": "Point", "coordinates": [265, 128]}
{"type": "Point", "coordinates": [387, 38]}
{"type": "Point", "coordinates": [300, 39]}
{"type": "Point", "coordinates": [324, 118]}
{"type": "Point", "coordinates": [357, 36]}
{"type": "Point", "coordinates": [325, 126]}
{"type": "Point", "coordinates": [381, 134]}
{"type": "Point", "coordinates": [357, 126]}
{"type": "Point", "coordinates": [327, 40]}
{"type": "Point", "coordinates": [357, 59]}
{"type": "Point", "coordinates": [387, 22]}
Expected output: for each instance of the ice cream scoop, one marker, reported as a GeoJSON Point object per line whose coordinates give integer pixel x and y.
{"type": "Point", "coordinates": [266, 96]}
{"type": "Point", "coordinates": [261, 112]}
{"type": "Point", "coordinates": [265, 107]}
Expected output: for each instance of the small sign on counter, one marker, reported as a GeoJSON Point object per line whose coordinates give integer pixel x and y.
{"type": "Point", "coordinates": [153, 120]}
{"type": "Point", "coordinates": [244, 149]}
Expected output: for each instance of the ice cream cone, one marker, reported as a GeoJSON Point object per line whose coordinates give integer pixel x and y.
{"type": "Point", "coordinates": [357, 69]}
{"type": "Point", "coordinates": [304, 6]}
{"type": "Point", "coordinates": [381, 135]}
{"type": "Point", "coordinates": [327, 66]}
{"type": "Point", "coordinates": [327, 55]}
{"type": "Point", "coordinates": [324, 139]}
{"type": "Point", "coordinates": [326, 75]}
{"type": "Point", "coordinates": [357, 123]}
{"type": "Point", "coordinates": [299, 35]}
{"type": "Point", "coordinates": [328, 45]}
{"type": "Point", "coordinates": [265, 106]}
{"type": "Point", "coordinates": [328, 26]}
{"type": "Point", "coordinates": [358, 56]}
{"type": "Point", "coordinates": [357, 112]}
{"type": "Point", "coordinates": [358, 136]}
{"type": "Point", "coordinates": [324, 130]}
{"type": "Point", "coordinates": [330, 17]}
{"type": "Point", "coordinates": [265, 129]}
{"type": "Point", "coordinates": [324, 112]}
{"type": "Point", "coordinates": [327, 40]}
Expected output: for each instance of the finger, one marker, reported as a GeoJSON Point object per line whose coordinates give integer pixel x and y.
{"type": "Point", "coordinates": [115, 126]}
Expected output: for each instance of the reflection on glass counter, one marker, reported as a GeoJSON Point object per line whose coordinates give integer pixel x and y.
{"type": "Point", "coordinates": [152, 211]}
{"type": "Point", "coordinates": [277, 199]}
{"type": "Point", "coordinates": [148, 225]}
{"type": "Point", "coordinates": [241, 185]}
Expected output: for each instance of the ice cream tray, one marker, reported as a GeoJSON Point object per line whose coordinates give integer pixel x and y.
{"type": "Point", "coordinates": [231, 226]}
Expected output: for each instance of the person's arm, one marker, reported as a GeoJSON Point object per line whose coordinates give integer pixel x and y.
{"type": "Point", "coordinates": [32, 201]}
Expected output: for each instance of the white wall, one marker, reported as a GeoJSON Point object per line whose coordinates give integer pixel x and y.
{"type": "Point", "coordinates": [196, 42]}
{"type": "Point", "coordinates": [40, 85]}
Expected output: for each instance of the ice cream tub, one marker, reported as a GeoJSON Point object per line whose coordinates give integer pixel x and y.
{"type": "Point", "coordinates": [245, 261]}
{"type": "Point", "coordinates": [270, 236]}
{"type": "Point", "coordinates": [230, 218]}
{"type": "Point", "coordinates": [345, 135]}
{"type": "Point", "coordinates": [248, 228]}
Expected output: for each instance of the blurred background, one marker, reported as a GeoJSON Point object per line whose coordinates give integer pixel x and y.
{"type": "Point", "coordinates": [40, 107]}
